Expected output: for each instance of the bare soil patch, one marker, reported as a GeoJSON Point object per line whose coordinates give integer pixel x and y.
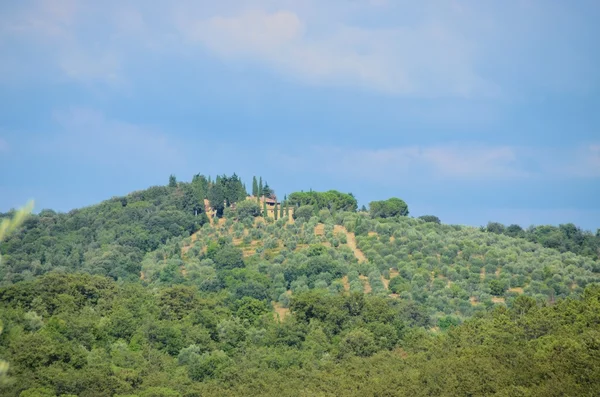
{"type": "Point", "coordinates": [346, 283]}
{"type": "Point", "coordinates": [280, 312]}
{"type": "Point", "coordinates": [365, 281]}
{"type": "Point", "coordinates": [385, 282]}
{"type": "Point", "coordinates": [320, 229]}
{"type": "Point", "coordinates": [350, 242]}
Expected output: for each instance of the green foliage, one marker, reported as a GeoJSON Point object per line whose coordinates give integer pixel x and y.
{"type": "Point", "coordinates": [172, 181]}
{"type": "Point", "coordinates": [228, 257]}
{"type": "Point", "coordinates": [430, 218]}
{"type": "Point", "coordinates": [304, 213]}
{"type": "Point", "coordinates": [209, 365]}
{"type": "Point", "coordinates": [565, 238]}
{"type": "Point", "coordinates": [189, 316]}
{"type": "Point", "coordinates": [226, 191]}
{"type": "Point", "coordinates": [254, 187]}
{"type": "Point", "coordinates": [331, 200]}
{"type": "Point", "coordinates": [388, 208]}
{"type": "Point", "coordinates": [247, 209]}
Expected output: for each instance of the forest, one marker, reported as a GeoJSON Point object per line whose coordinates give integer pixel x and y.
{"type": "Point", "coordinates": [197, 289]}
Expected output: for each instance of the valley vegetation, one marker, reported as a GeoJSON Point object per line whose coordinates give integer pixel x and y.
{"type": "Point", "coordinates": [198, 289]}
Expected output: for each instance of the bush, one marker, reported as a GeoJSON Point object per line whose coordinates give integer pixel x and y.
{"type": "Point", "coordinates": [304, 213]}
{"type": "Point", "coordinates": [209, 365]}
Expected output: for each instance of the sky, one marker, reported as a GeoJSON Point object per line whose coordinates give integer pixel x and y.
{"type": "Point", "coordinates": [473, 111]}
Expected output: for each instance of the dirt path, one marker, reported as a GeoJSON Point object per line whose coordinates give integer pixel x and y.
{"type": "Point", "coordinates": [365, 281]}
{"type": "Point", "coordinates": [386, 282]}
{"type": "Point", "coordinates": [346, 283]}
{"type": "Point", "coordinates": [351, 242]}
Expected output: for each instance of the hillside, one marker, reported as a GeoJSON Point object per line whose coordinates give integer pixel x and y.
{"type": "Point", "coordinates": [158, 294]}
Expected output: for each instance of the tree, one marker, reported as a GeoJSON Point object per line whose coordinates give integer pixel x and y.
{"type": "Point", "coordinates": [495, 227]}
{"type": "Point", "coordinates": [226, 191]}
{"type": "Point", "coordinates": [247, 209]}
{"type": "Point", "coordinates": [200, 187]}
{"type": "Point", "coordinates": [304, 212]}
{"type": "Point", "coordinates": [265, 213]}
{"type": "Point", "coordinates": [260, 186]}
{"type": "Point", "coordinates": [331, 200]}
{"type": "Point", "coordinates": [275, 211]}
{"type": "Point", "coordinates": [267, 191]}
{"type": "Point", "coordinates": [388, 208]}
{"type": "Point", "coordinates": [172, 181]}
{"type": "Point", "coordinates": [228, 257]}
{"type": "Point", "coordinates": [430, 218]}
{"type": "Point", "coordinates": [281, 210]}
{"type": "Point", "coordinates": [209, 365]}
{"type": "Point", "coordinates": [359, 342]}
{"type": "Point", "coordinates": [254, 186]}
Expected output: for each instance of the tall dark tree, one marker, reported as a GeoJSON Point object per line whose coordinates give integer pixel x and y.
{"type": "Point", "coordinates": [260, 186]}
{"type": "Point", "coordinates": [200, 186]}
{"type": "Point", "coordinates": [265, 213]}
{"type": "Point", "coordinates": [172, 181]}
{"type": "Point", "coordinates": [254, 186]}
{"type": "Point", "coordinates": [275, 212]}
{"type": "Point", "coordinates": [267, 191]}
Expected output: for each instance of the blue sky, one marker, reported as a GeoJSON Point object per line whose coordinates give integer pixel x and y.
{"type": "Point", "coordinates": [469, 110]}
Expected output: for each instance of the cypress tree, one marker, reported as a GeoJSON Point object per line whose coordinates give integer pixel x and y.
{"type": "Point", "coordinates": [265, 213]}
{"type": "Point", "coordinates": [287, 209]}
{"type": "Point", "coordinates": [254, 187]}
{"type": "Point", "coordinates": [260, 187]}
{"type": "Point", "coordinates": [281, 210]}
{"type": "Point", "coordinates": [275, 211]}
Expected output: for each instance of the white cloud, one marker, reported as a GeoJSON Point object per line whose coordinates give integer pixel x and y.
{"type": "Point", "coordinates": [425, 59]}
{"type": "Point", "coordinates": [423, 49]}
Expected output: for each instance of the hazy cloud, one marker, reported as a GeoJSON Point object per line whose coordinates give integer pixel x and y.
{"type": "Point", "coordinates": [90, 137]}
{"type": "Point", "coordinates": [460, 162]}
{"type": "Point", "coordinates": [422, 49]}
{"type": "Point", "coordinates": [425, 59]}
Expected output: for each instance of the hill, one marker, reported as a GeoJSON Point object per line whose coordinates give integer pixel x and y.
{"type": "Point", "coordinates": [149, 295]}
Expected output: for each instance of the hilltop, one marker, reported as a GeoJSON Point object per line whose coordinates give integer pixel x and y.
{"type": "Point", "coordinates": [204, 288]}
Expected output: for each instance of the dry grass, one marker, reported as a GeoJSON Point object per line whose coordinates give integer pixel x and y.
{"type": "Point", "coordinates": [385, 282]}
{"type": "Point", "coordinates": [320, 229]}
{"type": "Point", "coordinates": [350, 242]}
{"type": "Point", "coordinates": [280, 313]}
{"type": "Point", "coordinates": [346, 283]}
{"type": "Point", "coordinates": [497, 299]}
{"type": "Point", "coordinates": [482, 274]}
{"type": "Point", "coordinates": [518, 290]}
{"type": "Point", "coordinates": [365, 281]}
{"type": "Point", "coordinates": [394, 273]}
{"type": "Point", "coordinates": [473, 300]}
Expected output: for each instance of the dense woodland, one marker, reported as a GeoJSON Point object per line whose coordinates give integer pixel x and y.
{"type": "Point", "coordinates": [157, 294]}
